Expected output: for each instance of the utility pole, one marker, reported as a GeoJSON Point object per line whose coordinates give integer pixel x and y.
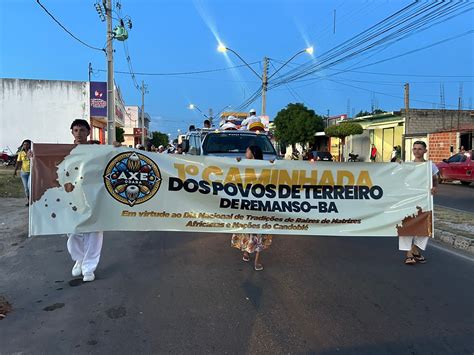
{"type": "Point", "coordinates": [442, 104]}
{"type": "Point", "coordinates": [264, 86]}
{"type": "Point", "coordinates": [144, 91]}
{"type": "Point", "coordinates": [110, 76]}
{"type": "Point", "coordinates": [460, 102]}
{"type": "Point", "coordinates": [90, 71]}
{"type": "Point", "coordinates": [407, 114]}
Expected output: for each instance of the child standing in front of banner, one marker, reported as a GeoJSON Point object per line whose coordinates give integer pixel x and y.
{"type": "Point", "coordinates": [252, 243]}
{"type": "Point", "coordinates": [414, 245]}
{"type": "Point", "coordinates": [84, 248]}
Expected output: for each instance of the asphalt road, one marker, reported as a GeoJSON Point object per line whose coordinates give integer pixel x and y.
{"type": "Point", "coordinates": [191, 293]}
{"type": "Point", "coordinates": [455, 195]}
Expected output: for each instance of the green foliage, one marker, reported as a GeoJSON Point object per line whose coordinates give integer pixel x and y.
{"type": "Point", "coordinates": [377, 111]}
{"type": "Point", "coordinates": [344, 129]}
{"type": "Point", "coordinates": [159, 138]}
{"type": "Point", "coordinates": [119, 132]}
{"type": "Point", "coordinates": [363, 113]}
{"type": "Point", "coordinates": [10, 186]}
{"type": "Point", "coordinates": [297, 124]}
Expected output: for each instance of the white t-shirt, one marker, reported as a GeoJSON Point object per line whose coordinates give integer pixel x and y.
{"type": "Point", "coordinates": [434, 168]}
{"type": "Point", "coordinates": [249, 120]}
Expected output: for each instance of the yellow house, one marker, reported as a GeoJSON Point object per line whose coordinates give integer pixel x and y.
{"type": "Point", "coordinates": [384, 130]}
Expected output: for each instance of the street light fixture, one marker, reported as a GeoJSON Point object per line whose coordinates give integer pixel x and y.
{"type": "Point", "coordinates": [194, 107]}
{"type": "Point", "coordinates": [222, 48]}
{"type": "Point", "coordinates": [308, 50]}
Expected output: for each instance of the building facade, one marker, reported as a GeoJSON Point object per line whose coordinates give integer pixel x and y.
{"type": "Point", "coordinates": [444, 131]}
{"type": "Point", "coordinates": [133, 126]}
{"type": "Point", "coordinates": [385, 131]}
{"type": "Point", "coordinates": [42, 110]}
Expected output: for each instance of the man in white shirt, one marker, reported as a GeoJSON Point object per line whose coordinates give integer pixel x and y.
{"type": "Point", "coordinates": [84, 248]}
{"type": "Point", "coordinates": [251, 119]}
{"type": "Point", "coordinates": [414, 245]}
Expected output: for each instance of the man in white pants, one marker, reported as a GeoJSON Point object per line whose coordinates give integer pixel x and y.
{"type": "Point", "coordinates": [414, 245]}
{"type": "Point", "coordinates": [84, 248]}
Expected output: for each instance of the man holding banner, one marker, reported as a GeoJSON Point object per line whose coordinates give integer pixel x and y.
{"type": "Point", "coordinates": [414, 245]}
{"type": "Point", "coordinates": [84, 248]}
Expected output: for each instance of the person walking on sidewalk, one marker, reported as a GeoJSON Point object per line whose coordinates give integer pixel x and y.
{"type": "Point", "coordinates": [414, 245]}
{"type": "Point", "coordinates": [23, 163]}
{"type": "Point", "coordinates": [84, 248]}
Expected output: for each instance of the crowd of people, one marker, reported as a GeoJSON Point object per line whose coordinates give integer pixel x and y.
{"type": "Point", "coordinates": [85, 248]}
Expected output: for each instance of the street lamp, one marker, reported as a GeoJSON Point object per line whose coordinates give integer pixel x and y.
{"type": "Point", "coordinates": [308, 50]}
{"type": "Point", "coordinates": [194, 107]}
{"type": "Point", "coordinates": [222, 48]}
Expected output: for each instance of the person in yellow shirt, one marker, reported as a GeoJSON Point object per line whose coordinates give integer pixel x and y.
{"type": "Point", "coordinates": [23, 163]}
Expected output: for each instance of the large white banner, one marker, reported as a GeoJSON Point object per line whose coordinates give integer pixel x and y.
{"type": "Point", "coordinates": [89, 188]}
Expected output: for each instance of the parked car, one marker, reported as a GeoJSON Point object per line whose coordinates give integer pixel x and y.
{"type": "Point", "coordinates": [458, 167]}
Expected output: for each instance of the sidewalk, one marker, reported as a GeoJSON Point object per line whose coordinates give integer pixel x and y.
{"type": "Point", "coordinates": [13, 223]}
{"type": "Point", "coordinates": [452, 227]}
{"type": "Point", "coordinates": [455, 228]}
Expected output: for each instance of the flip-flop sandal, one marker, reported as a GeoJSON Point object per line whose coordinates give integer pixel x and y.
{"type": "Point", "coordinates": [246, 258]}
{"type": "Point", "coordinates": [410, 260]}
{"type": "Point", "coordinates": [258, 267]}
{"type": "Point", "coordinates": [419, 258]}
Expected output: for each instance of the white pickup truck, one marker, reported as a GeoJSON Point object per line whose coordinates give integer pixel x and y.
{"type": "Point", "coordinates": [227, 143]}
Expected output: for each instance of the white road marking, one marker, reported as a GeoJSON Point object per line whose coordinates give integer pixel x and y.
{"type": "Point", "coordinates": [450, 250]}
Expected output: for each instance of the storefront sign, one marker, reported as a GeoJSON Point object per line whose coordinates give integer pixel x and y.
{"type": "Point", "coordinates": [98, 99]}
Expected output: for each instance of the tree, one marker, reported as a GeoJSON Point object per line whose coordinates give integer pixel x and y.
{"type": "Point", "coordinates": [119, 132]}
{"type": "Point", "coordinates": [159, 138]}
{"type": "Point", "coordinates": [297, 124]}
{"type": "Point", "coordinates": [343, 130]}
{"type": "Point", "coordinates": [363, 113]}
{"type": "Point", "coordinates": [377, 111]}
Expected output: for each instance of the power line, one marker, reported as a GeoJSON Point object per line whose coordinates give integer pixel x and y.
{"type": "Point", "coordinates": [385, 94]}
{"type": "Point", "coordinates": [413, 75]}
{"type": "Point", "coordinates": [130, 65]}
{"type": "Point", "coordinates": [65, 29]}
{"type": "Point", "coordinates": [381, 73]}
{"type": "Point", "coordinates": [183, 73]}
{"type": "Point", "coordinates": [393, 57]}
{"type": "Point", "coordinates": [418, 49]}
{"type": "Point", "coordinates": [291, 91]}
{"type": "Point", "coordinates": [416, 20]}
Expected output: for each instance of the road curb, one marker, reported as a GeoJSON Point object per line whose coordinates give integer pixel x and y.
{"type": "Point", "coordinates": [454, 240]}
